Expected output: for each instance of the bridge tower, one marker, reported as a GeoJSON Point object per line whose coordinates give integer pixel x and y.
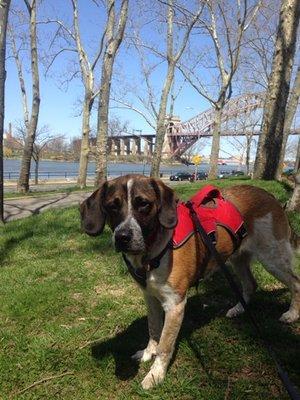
{"type": "Point", "coordinates": [170, 122]}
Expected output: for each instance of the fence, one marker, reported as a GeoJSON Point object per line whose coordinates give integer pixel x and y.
{"type": "Point", "coordinates": [71, 175]}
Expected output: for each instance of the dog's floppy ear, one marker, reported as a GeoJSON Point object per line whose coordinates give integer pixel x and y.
{"type": "Point", "coordinates": [167, 215]}
{"type": "Point", "coordinates": [92, 214]}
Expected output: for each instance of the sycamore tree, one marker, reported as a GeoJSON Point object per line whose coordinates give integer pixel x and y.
{"type": "Point", "coordinates": [174, 22]}
{"type": "Point", "coordinates": [213, 60]}
{"type": "Point", "coordinates": [4, 8]}
{"type": "Point", "coordinates": [30, 113]}
{"type": "Point", "coordinates": [116, 23]}
{"type": "Point", "coordinates": [272, 130]}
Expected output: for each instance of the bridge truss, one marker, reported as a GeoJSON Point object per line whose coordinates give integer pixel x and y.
{"type": "Point", "coordinates": [181, 136]}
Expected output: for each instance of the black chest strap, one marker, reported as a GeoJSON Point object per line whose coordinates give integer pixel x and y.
{"type": "Point", "coordinates": [140, 274]}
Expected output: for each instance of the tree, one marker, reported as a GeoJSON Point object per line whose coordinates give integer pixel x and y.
{"type": "Point", "coordinates": [172, 60]}
{"type": "Point", "coordinates": [271, 137]}
{"type": "Point", "coordinates": [289, 116]}
{"type": "Point", "coordinates": [150, 106]}
{"type": "Point", "coordinates": [71, 41]}
{"type": "Point", "coordinates": [4, 8]}
{"type": "Point", "coordinates": [225, 25]}
{"type": "Point", "coordinates": [113, 35]}
{"type": "Point", "coordinates": [43, 139]}
{"type": "Point", "coordinates": [30, 119]}
{"type": "Point", "coordinates": [294, 203]}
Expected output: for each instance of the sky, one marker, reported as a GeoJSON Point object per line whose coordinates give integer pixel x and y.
{"type": "Point", "coordinates": [60, 103]}
{"type": "Point", "coordinates": [59, 106]}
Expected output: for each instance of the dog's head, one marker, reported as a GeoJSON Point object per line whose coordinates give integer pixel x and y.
{"type": "Point", "coordinates": [135, 207]}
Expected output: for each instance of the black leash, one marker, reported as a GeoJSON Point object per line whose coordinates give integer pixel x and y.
{"type": "Point", "coordinates": [289, 386]}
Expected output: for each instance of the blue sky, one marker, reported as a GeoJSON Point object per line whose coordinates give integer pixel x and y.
{"type": "Point", "coordinates": [60, 104]}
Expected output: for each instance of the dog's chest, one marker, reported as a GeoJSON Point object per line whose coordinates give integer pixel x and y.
{"type": "Point", "coordinates": [158, 287]}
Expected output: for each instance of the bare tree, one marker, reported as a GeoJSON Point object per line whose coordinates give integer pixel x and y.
{"type": "Point", "coordinates": [271, 137]}
{"type": "Point", "coordinates": [43, 138]}
{"type": "Point", "coordinates": [153, 108]}
{"type": "Point", "coordinates": [289, 116]}
{"type": "Point", "coordinates": [70, 40]}
{"type": "Point", "coordinates": [90, 93]}
{"type": "Point", "coordinates": [30, 118]}
{"type": "Point", "coordinates": [297, 161]}
{"type": "Point", "coordinates": [114, 36]}
{"type": "Point", "coordinates": [257, 51]}
{"type": "Point", "coordinates": [172, 60]}
{"type": "Point", "coordinates": [294, 203]}
{"type": "Point", "coordinates": [225, 24]}
{"type": "Point", "coordinates": [4, 8]}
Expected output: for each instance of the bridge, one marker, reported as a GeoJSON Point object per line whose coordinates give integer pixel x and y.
{"type": "Point", "coordinates": [181, 136]}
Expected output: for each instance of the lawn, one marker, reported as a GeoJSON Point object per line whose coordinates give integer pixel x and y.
{"type": "Point", "coordinates": [71, 316]}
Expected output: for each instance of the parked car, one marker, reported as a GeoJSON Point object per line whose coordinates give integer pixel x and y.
{"type": "Point", "coordinates": [288, 172]}
{"type": "Point", "coordinates": [224, 174]}
{"type": "Point", "coordinates": [200, 176]}
{"type": "Point", "coordinates": [181, 176]}
{"type": "Point", "coordinates": [237, 173]}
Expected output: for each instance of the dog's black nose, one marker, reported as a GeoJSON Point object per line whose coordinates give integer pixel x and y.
{"type": "Point", "coordinates": [122, 239]}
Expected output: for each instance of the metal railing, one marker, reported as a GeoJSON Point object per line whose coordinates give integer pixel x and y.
{"type": "Point", "coordinates": [14, 175]}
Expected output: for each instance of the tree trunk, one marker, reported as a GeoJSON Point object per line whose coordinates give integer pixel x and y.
{"type": "Point", "coordinates": [113, 43]}
{"type": "Point", "coordinates": [4, 7]}
{"type": "Point", "coordinates": [36, 171]}
{"type": "Point", "coordinates": [271, 137]}
{"type": "Point", "coordinates": [102, 123]}
{"type": "Point", "coordinates": [215, 146]}
{"type": "Point", "coordinates": [294, 204]}
{"type": "Point", "coordinates": [297, 161]}
{"type": "Point", "coordinates": [23, 183]}
{"type": "Point", "coordinates": [248, 149]}
{"type": "Point", "coordinates": [85, 145]}
{"type": "Point", "coordinates": [161, 122]}
{"type": "Point", "coordinates": [289, 117]}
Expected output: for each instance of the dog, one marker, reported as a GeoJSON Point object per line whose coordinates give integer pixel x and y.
{"type": "Point", "coordinates": [141, 213]}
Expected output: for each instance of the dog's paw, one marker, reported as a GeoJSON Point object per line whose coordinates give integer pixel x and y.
{"type": "Point", "coordinates": [289, 316]}
{"type": "Point", "coordinates": [238, 309]}
{"type": "Point", "coordinates": [143, 355]}
{"type": "Point", "coordinates": [154, 377]}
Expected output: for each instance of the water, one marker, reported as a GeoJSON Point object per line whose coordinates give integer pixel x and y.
{"type": "Point", "coordinates": [65, 169]}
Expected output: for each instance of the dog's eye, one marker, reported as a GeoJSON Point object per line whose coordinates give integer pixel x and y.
{"type": "Point", "coordinates": [142, 204]}
{"type": "Point", "coordinates": [113, 205]}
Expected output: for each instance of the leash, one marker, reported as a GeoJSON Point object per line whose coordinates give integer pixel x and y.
{"type": "Point", "coordinates": [288, 384]}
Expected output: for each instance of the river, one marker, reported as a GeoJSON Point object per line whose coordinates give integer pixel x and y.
{"type": "Point", "coordinates": [65, 169]}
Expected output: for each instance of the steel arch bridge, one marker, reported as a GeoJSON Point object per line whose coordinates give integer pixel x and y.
{"type": "Point", "coordinates": [181, 136]}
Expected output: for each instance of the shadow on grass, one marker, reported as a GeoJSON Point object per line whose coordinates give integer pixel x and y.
{"type": "Point", "coordinates": [267, 307]}
{"type": "Point", "coordinates": [13, 242]}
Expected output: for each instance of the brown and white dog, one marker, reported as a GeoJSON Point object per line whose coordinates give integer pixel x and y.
{"type": "Point", "coordinates": [141, 213]}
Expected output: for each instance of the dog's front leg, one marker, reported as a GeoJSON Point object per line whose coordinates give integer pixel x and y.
{"type": "Point", "coordinates": [155, 324]}
{"type": "Point", "coordinates": [165, 348]}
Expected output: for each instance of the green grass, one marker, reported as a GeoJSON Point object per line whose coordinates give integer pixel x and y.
{"type": "Point", "coordinates": [61, 289]}
{"type": "Point", "coordinates": [45, 193]}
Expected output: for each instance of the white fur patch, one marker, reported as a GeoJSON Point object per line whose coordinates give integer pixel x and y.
{"type": "Point", "coordinates": [157, 286]}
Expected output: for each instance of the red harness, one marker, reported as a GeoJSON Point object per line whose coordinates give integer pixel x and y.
{"type": "Point", "coordinates": [218, 212]}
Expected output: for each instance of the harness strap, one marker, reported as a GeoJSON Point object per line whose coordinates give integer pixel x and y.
{"type": "Point", "coordinates": [140, 274]}
{"type": "Point", "coordinates": [288, 384]}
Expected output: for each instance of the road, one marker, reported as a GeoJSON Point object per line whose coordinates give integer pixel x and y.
{"type": "Point", "coordinates": [24, 207]}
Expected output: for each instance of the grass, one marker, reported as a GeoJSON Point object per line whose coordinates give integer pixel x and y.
{"type": "Point", "coordinates": [69, 306]}
{"type": "Point", "coordinates": [45, 193]}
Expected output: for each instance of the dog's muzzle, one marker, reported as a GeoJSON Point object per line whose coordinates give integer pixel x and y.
{"type": "Point", "coordinates": [128, 237]}
{"type": "Point", "coordinates": [123, 238]}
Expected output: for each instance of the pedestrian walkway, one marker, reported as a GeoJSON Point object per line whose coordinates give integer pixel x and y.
{"type": "Point", "coordinates": [25, 207]}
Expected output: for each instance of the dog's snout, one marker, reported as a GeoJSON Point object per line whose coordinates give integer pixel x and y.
{"type": "Point", "coordinates": [123, 238]}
